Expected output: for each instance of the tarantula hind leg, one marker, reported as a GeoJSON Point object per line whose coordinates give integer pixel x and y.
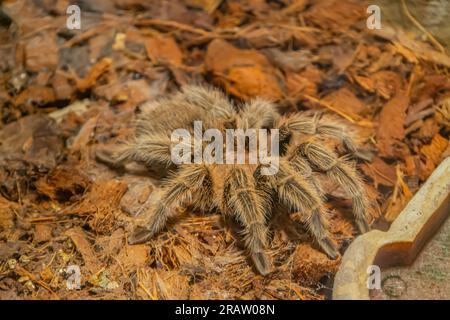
{"type": "Point", "coordinates": [303, 199]}
{"type": "Point", "coordinates": [178, 190]}
{"type": "Point", "coordinates": [342, 172]}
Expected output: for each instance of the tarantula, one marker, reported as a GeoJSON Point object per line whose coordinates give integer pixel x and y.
{"type": "Point", "coordinates": [241, 191]}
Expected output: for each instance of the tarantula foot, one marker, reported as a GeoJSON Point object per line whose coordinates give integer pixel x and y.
{"type": "Point", "coordinates": [363, 226]}
{"type": "Point", "coordinates": [364, 154]}
{"type": "Point", "coordinates": [329, 248]}
{"type": "Point", "coordinates": [261, 263]}
{"type": "Point", "coordinates": [140, 235]}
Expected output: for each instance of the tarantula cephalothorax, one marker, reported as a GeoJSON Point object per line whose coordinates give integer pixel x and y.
{"type": "Point", "coordinates": [240, 190]}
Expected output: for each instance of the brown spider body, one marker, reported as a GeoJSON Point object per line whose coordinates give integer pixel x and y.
{"type": "Point", "coordinates": [240, 190]}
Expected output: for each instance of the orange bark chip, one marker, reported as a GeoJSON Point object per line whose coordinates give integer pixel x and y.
{"type": "Point", "coordinates": [244, 73]}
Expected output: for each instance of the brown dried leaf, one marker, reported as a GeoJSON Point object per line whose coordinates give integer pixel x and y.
{"type": "Point", "coordinates": [244, 73]}
{"type": "Point", "coordinates": [391, 131]}
{"type": "Point", "coordinates": [345, 100]}
{"type": "Point", "coordinates": [35, 94]}
{"type": "Point", "coordinates": [293, 61]}
{"type": "Point", "coordinates": [335, 14]}
{"type": "Point", "coordinates": [84, 248]}
{"type": "Point", "coordinates": [41, 52]}
{"type": "Point", "coordinates": [136, 199]}
{"type": "Point", "coordinates": [163, 49]}
{"type": "Point", "coordinates": [431, 155]}
{"type": "Point", "coordinates": [380, 172]}
{"type": "Point", "coordinates": [94, 73]}
{"type": "Point", "coordinates": [42, 233]}
{"type": "Point", "coordinates": [267, 37]}
{"type": "Point", "coordinates": [304, 82]}
{"type": "Point", "coordinates": [61, 86]}
{"type": "Point", "coordinates": [63, 183]}
{"type": "Point", "coordinates": [35, 139]}
{"type": "Point", "coordinates": [408, 39]}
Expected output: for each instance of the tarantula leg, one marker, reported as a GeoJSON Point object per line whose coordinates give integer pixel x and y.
{"type": "Point", "coordinates": [301, 196]}
{"type": "Point", "coordinates": [342, 172]}
{"type": "Point", "coordinates": [248, 206]}
{"type": "Point", "coordinates": [151, 149]}
{"type": "Point", "coordinates": [256, 114]}
{"type": "Point", "coordinates": [178, 190]}
{"type": "Point", "coordinates": [209, 99]}
{"type": "Point", "coordinates": [326, 126]}
{"type": "Point", "coordinates": [333, 129]}
{"type": "Point", "coordinates": [301, 165]}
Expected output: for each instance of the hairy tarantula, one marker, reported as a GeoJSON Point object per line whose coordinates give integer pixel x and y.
{"type": "Point", "coordinates": [240, 190]}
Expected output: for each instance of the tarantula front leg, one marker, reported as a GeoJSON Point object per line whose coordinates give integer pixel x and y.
{"type": "Point", "coordinates": [341, 171]}
{"type": "Point", "coordinates": [149, 149]}
{"type": "Point", "coordinates": [248, 205]}
{"type": "Point", "coordinates": [178, 190]}
{"type": "Point", "coordinates": [302, 197]}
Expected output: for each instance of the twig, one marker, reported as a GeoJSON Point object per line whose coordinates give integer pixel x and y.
{"type": "Point", "coordinates": [146, 291]}
{"type": "Point", "coordinates": [362, 123]}
{"type": "Point", "coordinates": [172, 24]}
{"type": "Point", "coordinates": [300, 296]}
{"type": "Point", "coordinates": [421, 28]}
{"type": "Point", "coordinates": [23, 272]}
{"type": "Point", "coordinates": [87, 34]}
{"type": "Point", "coordinates": [413, 117]}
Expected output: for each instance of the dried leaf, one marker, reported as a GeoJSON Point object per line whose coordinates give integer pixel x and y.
{"type": "Point", "coordinates": [40, 56]}
{"type": "Point", "coordinates": [84, 247]}
{"type": "Point", "coordinates": [346, 101]}
{"type": "Point", "coordinates": [335, 14]}
{"type": "Point", "coordinates": [391, 131]}
{"type": "Point", "coordinates": [163, 49]}
{"type": "Point", "coordinates": [431, 155]}
{"type": "Point", "coordinates": [63, 183]}
{"type": "Point", "coordinates": [35, 95]}
{"type": "Point", "coordinates": [244, 73]}
{"type": "Point", "coordinates": [42, 233]}
{"type": "Point", "coordinates": [94, 73]}
{"type": "Point", "coordinates": [380, 172]}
